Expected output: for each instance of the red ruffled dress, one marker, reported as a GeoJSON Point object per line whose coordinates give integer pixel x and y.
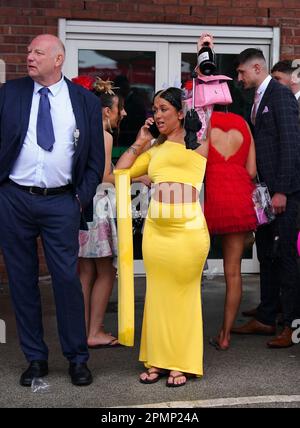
{"type": "Point", "coordinates": [228, 203]}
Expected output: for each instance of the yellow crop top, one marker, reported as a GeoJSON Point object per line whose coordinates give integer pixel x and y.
{"type": "Point", "coordinates": [171, 162]}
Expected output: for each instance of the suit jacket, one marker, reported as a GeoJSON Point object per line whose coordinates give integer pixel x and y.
{"type": "Point", "coordinates": [277, 139]}
{"type": "Point", "coordinates": [298, 99]}
{"type": "Point", "coordinates": [89, 157]}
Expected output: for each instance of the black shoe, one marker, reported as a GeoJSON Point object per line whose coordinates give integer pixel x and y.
{"type": "Point", "coordinates": [80, 374]}
{"type": "Point", "coordinates": [37, 368]}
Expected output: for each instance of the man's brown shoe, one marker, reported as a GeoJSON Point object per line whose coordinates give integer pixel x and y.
{"type": "Point", "coordinates": [283, 340]}
{"type": "Point", "coordinates": [250, 313]}
{"type": "Point", "coordinates": [254, 327]}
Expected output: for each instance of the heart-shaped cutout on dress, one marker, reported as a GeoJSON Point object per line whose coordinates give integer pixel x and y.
{"type": "Point", "coordinates": [227, 144]}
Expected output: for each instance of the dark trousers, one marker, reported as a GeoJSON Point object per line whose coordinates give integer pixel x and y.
{"type": "Point", "coordinates": [24, 217]}
{"type": "Point", "coordinates": [279, 274]}
{"type": "Point", "coordinates": [298, 262]}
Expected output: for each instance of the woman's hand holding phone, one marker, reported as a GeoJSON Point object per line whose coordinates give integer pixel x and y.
{"type": "Point", "coordinates": [149, 130]}
{"type": "Point", "coordinates": [154, 130]}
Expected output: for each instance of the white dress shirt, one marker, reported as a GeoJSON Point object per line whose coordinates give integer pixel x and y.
{"type": "Point", "coordinates": [297, 95]}
{"type": "Point", "coordinates": [36, 166]}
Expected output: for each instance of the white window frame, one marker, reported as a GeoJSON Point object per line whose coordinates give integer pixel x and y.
{"type": "Point", "coordinates": [85, 31]}
{"type": "Point", "coordinates": [161, 59]}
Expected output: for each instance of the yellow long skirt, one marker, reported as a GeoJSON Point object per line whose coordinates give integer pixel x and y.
{"type": "Point", "coordinates": [175, 246]}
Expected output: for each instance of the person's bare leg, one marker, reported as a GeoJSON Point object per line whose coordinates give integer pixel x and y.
{"type": "Point", "coordinates": [99, 299]}
{"type": "Point", "coordinates": [87, 274]}
{"type": "Point", "coordinates": [233, 247]}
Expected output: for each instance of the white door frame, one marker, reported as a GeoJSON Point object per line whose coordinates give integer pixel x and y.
{"type": "Point", "coordinates": [99, 31]}
{"type": "Point", "coordinates": [161, 58]}
{"type": "Point", "coordinates": [168, 41]}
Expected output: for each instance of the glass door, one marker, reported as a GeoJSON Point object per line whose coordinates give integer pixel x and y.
{"type": "Point", "coordinates": [183, 59]}
{"type": "Point", "coordinates": [137, 68]}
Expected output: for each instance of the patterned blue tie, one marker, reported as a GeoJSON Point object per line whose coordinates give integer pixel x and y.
{"type": "Point", "coordinates": [44, 127]}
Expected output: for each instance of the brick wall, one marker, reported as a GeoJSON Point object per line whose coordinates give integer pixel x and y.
{"type": "Point", "coordinates": [21, 20]}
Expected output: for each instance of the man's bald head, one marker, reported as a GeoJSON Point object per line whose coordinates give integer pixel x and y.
{"type": "Point", "coordinates": [53, 41]}
{"type": "Point", "coordinates": [46, 54]}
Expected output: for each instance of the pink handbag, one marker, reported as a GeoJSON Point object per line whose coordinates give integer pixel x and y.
{"type": "Point", "coordinates": [212, 90]}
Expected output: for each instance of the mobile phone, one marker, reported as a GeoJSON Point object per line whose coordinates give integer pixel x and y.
{"type": "Point", "coordinates": [154, 130]}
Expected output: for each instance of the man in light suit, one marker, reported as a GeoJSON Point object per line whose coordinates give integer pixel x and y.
{"type": "Point", "coordinates": [51, 161]}
{"type": "Point", "coordinates": [275, 125]}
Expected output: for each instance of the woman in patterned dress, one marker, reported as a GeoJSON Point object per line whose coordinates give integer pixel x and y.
{"type": "Point", "coordinates": [98, 244]}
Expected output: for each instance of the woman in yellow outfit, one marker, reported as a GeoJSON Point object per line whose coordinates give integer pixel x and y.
{"type": "Point", "coordinates": [175, 245]}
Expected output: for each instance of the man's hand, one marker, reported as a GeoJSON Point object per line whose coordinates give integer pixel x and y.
{"type": "Point", "coordinates": [279, 202]}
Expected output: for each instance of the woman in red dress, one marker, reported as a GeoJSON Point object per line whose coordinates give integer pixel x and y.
{"type": "Point", "coordinates": [229, 209]}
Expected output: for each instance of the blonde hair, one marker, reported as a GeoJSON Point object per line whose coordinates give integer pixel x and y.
{"type": "Point", "coordinates": [104, 86]}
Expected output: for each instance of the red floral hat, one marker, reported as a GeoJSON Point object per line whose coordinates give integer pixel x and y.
{"type": "Point", "coordinates": [188, 85]}
{"type": "Point", "coordinates": [86, 81]}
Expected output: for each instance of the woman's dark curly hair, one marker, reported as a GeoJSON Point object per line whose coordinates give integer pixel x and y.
{"type": "Point", "coordinates": [174, 96]}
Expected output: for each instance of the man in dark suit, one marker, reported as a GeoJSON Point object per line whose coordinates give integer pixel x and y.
{"type": "Point", "coordinates": [286, 74]}
{"type": "Point", "coordinates": [51, 161]}
{"type": "Point", "coordinates": [274, 120]}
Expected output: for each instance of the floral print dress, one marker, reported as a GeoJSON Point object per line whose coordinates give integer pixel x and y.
{"type": "Point", "coordinates": [100, 240]}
